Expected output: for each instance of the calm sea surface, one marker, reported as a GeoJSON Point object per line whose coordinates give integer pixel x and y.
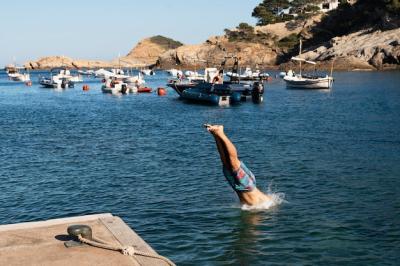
{"type": "Point", "coordinates": [335, 155]}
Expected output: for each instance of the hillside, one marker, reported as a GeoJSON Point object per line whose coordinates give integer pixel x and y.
{"type": "Point", "coordinates": [148, 50]}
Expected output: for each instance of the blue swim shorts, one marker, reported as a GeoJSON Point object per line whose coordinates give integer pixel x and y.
{"type": "Point", "coordinates": [241, 180]}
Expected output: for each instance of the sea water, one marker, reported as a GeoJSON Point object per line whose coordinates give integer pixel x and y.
{"type": "Point", "coordinates": [335, 155]}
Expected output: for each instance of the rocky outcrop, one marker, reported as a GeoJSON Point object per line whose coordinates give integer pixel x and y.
{"type": "Point", "coordinates": [363, 49]}
{"type": "Point", "coordinates": [148, 50]}
{"type": "Point", "coordinates": [263, 53]}
{"type": "Point", "coordinates": [213, 52]}
{"type": "Point", "coordinates": [63, 61]}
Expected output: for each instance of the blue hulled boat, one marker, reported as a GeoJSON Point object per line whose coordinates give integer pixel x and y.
{"type": "Point", "coordinates": [214, 90]}
{"type": "Point", "coordinates": [224, 94]}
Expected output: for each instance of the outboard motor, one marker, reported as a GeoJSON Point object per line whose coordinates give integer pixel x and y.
{"type": "Point", "coordinates": [124, 89]}
{"type": "Point", "coordinates": [257, 92]}
{"type": "Point", "coordinates": [63, 84]}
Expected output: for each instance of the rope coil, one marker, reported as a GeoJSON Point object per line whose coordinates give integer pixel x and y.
{"type": "Point", "coordinates": [125, 250]}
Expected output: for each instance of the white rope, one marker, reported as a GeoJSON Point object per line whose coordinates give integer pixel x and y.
{"type": "Point", "coordinates": [126, 250]}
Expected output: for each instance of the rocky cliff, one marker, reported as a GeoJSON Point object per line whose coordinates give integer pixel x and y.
{"type": "Point", "coordinates": [365, 49]}
{"type": "Point", "coordinates": [213, 52]}
{"type": "Point", "coordinates": [261, 50]}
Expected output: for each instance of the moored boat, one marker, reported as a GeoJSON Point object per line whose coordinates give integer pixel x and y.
{"type": "Point", "coordinates": [307, 81]}
{"type": "Point", "coordinates": [248, 75]}
{"type": "Point", "coordinates": [55, 82]}
{"type": "Point", "coordinates": [114, 85]}
{"type": "Point", "coordinates": [123, 84]}
{"type": "Point", "coordinates": [225, 93]}
{"type": "Point", "coordinates": [14, 74]}
{"type": "Point", "coordinates": [88, 72]}
{"type": "Point", "coordinates": [192, 79]}
{"type": "Point", "coordinates": [64, 73]}
{"type": "Point", "coordinates": [174, 72]}
{"type": "Point", "coordinates": [147, 72]}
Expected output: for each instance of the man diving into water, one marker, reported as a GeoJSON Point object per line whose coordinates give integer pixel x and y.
{"type": "Point", "coordinates": [238, 175]}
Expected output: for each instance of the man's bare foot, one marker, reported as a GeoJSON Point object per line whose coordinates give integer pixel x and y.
{"type": "Point", "coordinates": [214, 129]}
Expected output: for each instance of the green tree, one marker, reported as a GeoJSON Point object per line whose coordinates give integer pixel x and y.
{"type": "Point", "coordinates": [267, 12]}
{"type": "Point", "coordinates": [308, 7]}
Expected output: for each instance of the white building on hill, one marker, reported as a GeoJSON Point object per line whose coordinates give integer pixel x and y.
{"type": "Point", "coordinates": [325, 6]}
{"type": "Point", "coordinates": [328, 5]}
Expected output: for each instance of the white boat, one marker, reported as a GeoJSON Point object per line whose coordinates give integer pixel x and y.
{"type": "Point", "coordinates": [117, 71]}
{"type": "Point", "coordinates": [147, 72]}
{"type": "Point", "coordinates": [88, 72]}
{"type": "Point", "coordinates": [15, 75]}
{"type": "Point", "coordinates": [134, 80]}
{"type": "Point", "coordinates": [66, 74]}
{"type": "Point", "coordinates": [209, 74]}
{"type": "Point", "coordinates": [102, 73]}
{"type": "Point", "coordinates": [307, 82]}
{"type": "Point", "coordinates": [282, 74]}
{"type": "Point", "coordinates": [248, 74]}
{"type": "Point", "coordinates": [114, 85]}
{"type": "Point", "coordinates": [55, 82]}
{"type": "Point", "coordinates": [122, 84]}
{"type": "Point", "coordinates": [175, 72]}
{"type": "Point", "coordinates": [194, 76]}
{"type": "Point", "coordinates": [19, 77]}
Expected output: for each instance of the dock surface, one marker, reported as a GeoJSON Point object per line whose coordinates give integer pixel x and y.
{"type": "Point", "coordinates": [42, 243]}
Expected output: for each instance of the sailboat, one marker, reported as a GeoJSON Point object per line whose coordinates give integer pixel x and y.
{"type": "Point", "coordinates": [307, 81]}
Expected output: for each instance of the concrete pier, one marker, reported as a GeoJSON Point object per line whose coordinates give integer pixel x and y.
{"type": "Point", "coordinates": [42, 243]}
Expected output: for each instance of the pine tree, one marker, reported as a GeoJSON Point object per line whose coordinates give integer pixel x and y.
{"type": "Point", "coordinates": [268, 11]}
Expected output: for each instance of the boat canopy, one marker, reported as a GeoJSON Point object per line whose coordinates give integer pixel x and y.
{"type": "Point", "coordinates": [303, 60]}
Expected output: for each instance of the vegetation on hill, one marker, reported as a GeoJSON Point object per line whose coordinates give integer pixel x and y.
{"type": "Point", "coordinates": [364, 14]}
{"type": "Point", "coordinates": [347, 18]}
{"type": "Point", "coordinates": [271, 11]}
{"type": "Point", "coordinates": [246, 33]}
{"type": "Point", "coordinates": [165, 42]}
{"type": "Point", "coordinates": [289, 42]}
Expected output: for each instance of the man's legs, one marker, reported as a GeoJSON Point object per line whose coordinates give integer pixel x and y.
{"type": "Point", "coordinates": [226, 149]}
{"type": "Point", "coordinates": [231, 162]}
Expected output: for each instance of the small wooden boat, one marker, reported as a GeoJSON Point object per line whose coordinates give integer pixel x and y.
{"type": "Point", "coordinates": [310, 81]}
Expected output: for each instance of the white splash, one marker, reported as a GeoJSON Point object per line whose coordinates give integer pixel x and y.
{"type": "Point", "coordinates": [276, 198]}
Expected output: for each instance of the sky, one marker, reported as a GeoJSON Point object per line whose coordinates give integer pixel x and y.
{"type": "Point", "coordinates": [90, 29]}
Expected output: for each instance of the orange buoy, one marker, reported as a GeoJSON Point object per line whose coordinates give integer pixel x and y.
{"type": "Point", "coordinates": [85, 87]}
{"type": "Point", "coordinates": [28, 83]}
{"type": "Point", "coordinates": [161, 91]}
{"type": "Point", "coordinates": [269, 79]}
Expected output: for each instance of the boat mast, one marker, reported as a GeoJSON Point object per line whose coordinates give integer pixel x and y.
{"type": "Point", "coordinates": [300, 54]}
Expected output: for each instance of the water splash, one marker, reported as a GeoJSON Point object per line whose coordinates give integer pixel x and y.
{"type": "Point", "coordinates": [277, 198]}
